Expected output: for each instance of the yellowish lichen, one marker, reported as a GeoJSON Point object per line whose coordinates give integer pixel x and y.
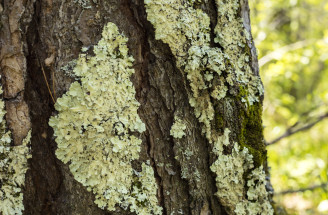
{"type": "Point", "coordinates": [187, 32]}
{"type": "Point", "coordinates": [257, 202]}
{"type": "Point", "coordinates": [13, 166]}
{"type": "Point", "coordinates": [232, 36]}
{"type": "Point", "coordinates": [230, 170]}
{"type": "Point", "coordinates": [94, 125]}
{"type": "Point", "coordinates": [178, 128]}
{"type": "Point", "coordinates": [146, 193]}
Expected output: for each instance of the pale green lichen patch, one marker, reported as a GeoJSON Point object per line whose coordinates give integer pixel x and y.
{"type": "Point", "coordinates": [230, 170]}
{"type": "Point", "coordinates": [257, 197]}
{"type": "Point", "coordinates": [232, 36]}
{"type": "Point", "coordinates": [13, 166]}
{"type": "Point", "coordinates": [145, 193]}
{"type": "Point", "coordinates": [178, 128]}
{"type": "Point", "coordinates": [94, 125]}
{"type": "Point", "coordinates": [187, 32]}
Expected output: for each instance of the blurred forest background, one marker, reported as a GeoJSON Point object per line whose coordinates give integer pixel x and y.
{"type": "Point", "coordinates": [292, 41]}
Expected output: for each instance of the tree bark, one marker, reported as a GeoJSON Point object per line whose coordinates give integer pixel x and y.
{"type": "Point", "coordinates": [44, 36]}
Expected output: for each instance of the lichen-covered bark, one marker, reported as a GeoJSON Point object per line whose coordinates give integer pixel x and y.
{"type": "Point", "coordinates": [48, 36]}
{"type": "Point", "coordinates": [214, 74]}
{"type": "Point", "coordinates": [94, 125]}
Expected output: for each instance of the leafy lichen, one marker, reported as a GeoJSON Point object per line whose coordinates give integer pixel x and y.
{"type": "Point", "coordinates": [233, 36]}
{"type": "Point", "coordinates": [178, 128]}
{"type": "Point", "coordinates": [257, 197]}
{"type": "Point", "coordinates": [13, 166]}
{"type": "Point", "coordinates": [187, 32]}
{"type": "Point", "coordinates": [94, 125]}
{"type": "Point", "coordinates": [230, 181]}
{"type": "Point", "coordinates": [212, 72]}
{"type": "Point", "coordinates": [229, 171]}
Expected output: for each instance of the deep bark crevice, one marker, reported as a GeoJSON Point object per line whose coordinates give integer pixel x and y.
{"type": "Point", "coordinates": [41, 108]}
{"type": "Point", "coordinates": [148, 31]}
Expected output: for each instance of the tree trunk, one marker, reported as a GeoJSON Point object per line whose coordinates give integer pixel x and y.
{"type": "Point", "coordinates": [193, 112]}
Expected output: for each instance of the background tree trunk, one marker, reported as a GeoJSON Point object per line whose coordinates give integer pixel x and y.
{"type": "Point", "coordinates": [39, 36]}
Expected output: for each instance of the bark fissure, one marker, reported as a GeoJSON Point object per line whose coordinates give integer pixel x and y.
{"type": "Point", "coordinates": [157, 176]}
{"type": "Point", "coordinates": [169, 106]}
{"type": "Point", "coordinates": [144, 94]}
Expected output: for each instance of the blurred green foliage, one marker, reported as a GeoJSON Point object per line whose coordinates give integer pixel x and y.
{"type": "Point", "coordinates": [292, 41]}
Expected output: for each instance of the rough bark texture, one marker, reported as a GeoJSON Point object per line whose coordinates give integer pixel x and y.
{"type": "Point", "coordinates": [46, 35]}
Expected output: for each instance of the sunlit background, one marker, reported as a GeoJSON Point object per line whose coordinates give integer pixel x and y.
{"type": "Point", "coordinates": [292, 41]}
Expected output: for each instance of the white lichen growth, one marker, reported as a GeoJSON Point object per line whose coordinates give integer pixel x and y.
{"type": "Point", "coordinates": [94, 125]}
{"type": "Point", "coordinates": [230, 170]}
{"type": "Point", "coordinates": [13, 166]}
{"type": "Point", "coordinates": [178, 128]}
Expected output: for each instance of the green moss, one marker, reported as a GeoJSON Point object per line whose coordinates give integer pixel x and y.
{"type": "Point", "coordinates": [243, 95]}
{"type": "Point", "coordinates": [219, 121]}
{"type": "Point", "coordinates": [251, 132]}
